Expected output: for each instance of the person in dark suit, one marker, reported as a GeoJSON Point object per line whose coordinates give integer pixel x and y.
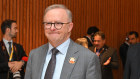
{"type": "Point", "coordinates": [131, 38]}
{"type": "Point", "coordinates": [90, 32]}
{"type": "Point", "coordinates": [132, 67]}
{"type": "Point", "coordinates": [11, 53]}
{"type": "Point", "coordinates": [61, 58]}
{"type": "Point", "coordinates": [107, 55]}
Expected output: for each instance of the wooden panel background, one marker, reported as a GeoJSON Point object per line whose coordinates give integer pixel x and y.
{"type": "Point", "coordinates": [114, 17]}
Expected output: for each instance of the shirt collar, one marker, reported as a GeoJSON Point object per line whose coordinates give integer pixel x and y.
{"type": "Point", "coordinates": [62, 48]}
{"type": "Point", "coordinates": [6, 41]}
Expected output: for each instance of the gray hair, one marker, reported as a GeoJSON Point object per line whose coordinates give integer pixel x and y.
{"type": "Point", "coordinates": [62, 7]}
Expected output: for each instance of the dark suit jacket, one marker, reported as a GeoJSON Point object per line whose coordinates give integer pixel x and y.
{"type": "Point", "coordinates": [4, 59]}
{"type": "Point", "coordinates": [86, 64]}
{"type": "Point", "coordinates": [123, 53]}
{"type": "Point", "coordinates": [89, 42]}
{"type": "Point", "coordinates": [132, 67]}
{"type": "Point", "coordinates": [104, 55]}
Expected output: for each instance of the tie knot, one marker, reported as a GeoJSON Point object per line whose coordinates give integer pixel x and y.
{"type": "Point", "coordinates": [9, 43]}
{"type": "Point", "coordinates": [55, 51]}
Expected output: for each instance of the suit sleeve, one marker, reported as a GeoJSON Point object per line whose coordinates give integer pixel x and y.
{"type": "Point", "coordinates": [22, 52]}
{"type": "Point", "coordinates": [94, 68]}
{"type": "Point", "coordinates": [122, 52]}
{"type": "Point", "coordinates": [29, 67]}
{"type": "Point", "coordinates": [4, 66]}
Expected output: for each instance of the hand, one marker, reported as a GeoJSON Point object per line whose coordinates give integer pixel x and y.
{"type": "Point", "coordinates": [17, 66]}
{"type": "Point", "coordinates": [108, 61]}
{"type": "Point", "coordinates": [11, 65]}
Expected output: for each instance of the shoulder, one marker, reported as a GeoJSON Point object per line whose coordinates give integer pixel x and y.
{"type": "Point", "coordinates": [110, 49]}
{"type": "Point", "coordinates": [39, 49]}
{"type": "Point", "coordinates": [134, 48]}
{"type": "Point", "coordinates": [17, 44]}
{"type": "Point", "coordinates": [124, 45]}
{"type": "Point", "coordinates": [85, 55]}
{"type": "Point", "coordinates": [82, 50]}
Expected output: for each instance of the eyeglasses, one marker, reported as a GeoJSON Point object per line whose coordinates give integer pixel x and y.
{"type": "Point", "coordinates": [57, 25]}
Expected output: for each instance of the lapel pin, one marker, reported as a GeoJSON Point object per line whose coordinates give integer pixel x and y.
{"type": "Point", "coordinates": [72, 60]}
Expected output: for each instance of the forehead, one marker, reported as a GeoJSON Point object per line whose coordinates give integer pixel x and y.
{"type": "Point", "coordinates": [132, 36]}
{"type": "Point", "coordinates": [56, 15]}
{"type": "Point", "coordinates": [14, 25]}
{"type": "Point", "coordinates": [97, 37]}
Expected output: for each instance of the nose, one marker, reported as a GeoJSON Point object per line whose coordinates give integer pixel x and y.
{"type": "Point", "coordinates": [52, 27]}
{"type": "Point", "coordinates": [95, 42]}
{"type": "Point", "coordinates": [130, 41]}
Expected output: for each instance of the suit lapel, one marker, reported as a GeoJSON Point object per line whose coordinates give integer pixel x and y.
{"type": "Point", "coordinates": [4, 51]}
{"type": "Point", "coordinates": [42, 59]}
{"type": "Point", "coordinates": [70, 61]}
{"type": "Point", "coordinates": [104, 54]}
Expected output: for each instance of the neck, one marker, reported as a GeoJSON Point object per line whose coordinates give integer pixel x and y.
{"type": "Point", "coordinates": [7, 38]}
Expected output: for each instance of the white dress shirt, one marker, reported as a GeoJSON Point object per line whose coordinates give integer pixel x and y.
{"type": "Point", "coordinates": [6, 43]}
{"type": "Point", "coordinates": [60, 57]}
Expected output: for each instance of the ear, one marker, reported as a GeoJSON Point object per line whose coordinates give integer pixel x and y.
{"type": "Point", "coordinates": [70, 27]}
{"type": "Point", "coordinates": [7, 30]}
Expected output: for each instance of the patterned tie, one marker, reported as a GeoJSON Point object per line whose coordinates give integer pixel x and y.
{"type": "Point", "coordinates": [10, 48]}
{"type": "Point", "coordinates": [51, 65]}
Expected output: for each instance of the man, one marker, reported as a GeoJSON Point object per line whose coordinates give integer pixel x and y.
{"type": "Point", "coordinates": [132, 38]}
{"type": "Point", "coordinates": [61, 58]}
{"type": "Point", "coordinates": [132, 67]}
{"type": "Point", "coordinates": [107, 55]}
{"type": "Point", "coordinates": [91, 31]}
{"type": "Point", "coordinates": [11, 53]}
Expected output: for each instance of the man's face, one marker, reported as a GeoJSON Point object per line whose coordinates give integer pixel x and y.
{"type": "Point", "coordinates": [13, 30]}
{"type": "Point", "coordinates": [132, 39]}
{"type": "Point", "coordinates": [98, 42]}
{"type": "Point", "coordinates": [57, 16]}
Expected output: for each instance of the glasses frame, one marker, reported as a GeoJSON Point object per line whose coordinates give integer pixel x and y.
{"type": "Point", "coordinates": [45, 23]}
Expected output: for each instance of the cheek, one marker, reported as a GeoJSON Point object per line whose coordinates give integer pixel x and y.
{"type": "Point", "coordinates": [94, 42]}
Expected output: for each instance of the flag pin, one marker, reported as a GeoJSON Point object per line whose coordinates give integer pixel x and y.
{"type": "Point", "coordinates": [72, 60]}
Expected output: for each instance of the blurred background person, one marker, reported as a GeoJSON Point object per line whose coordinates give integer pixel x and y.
{"type": "Point", "coordinates": [90, 32]}
{"type": "Point", "coordinates": [11, 54]}
{"type": "Point", "coordinates": [131, 38]}
{"type": "Point", "coordinates": [132, 67]}
{"type": "Point", "coordinates": [107, 55]}
{"type": "Point", "coordinates": [82, 41]}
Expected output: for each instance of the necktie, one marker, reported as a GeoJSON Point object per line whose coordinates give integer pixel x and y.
{"type": "Point", "coordinates": [10, 48]}
{"type": "Point", "coordinates": [51, 65]}
{"type": "Point", "coordinates": [98, 53]}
